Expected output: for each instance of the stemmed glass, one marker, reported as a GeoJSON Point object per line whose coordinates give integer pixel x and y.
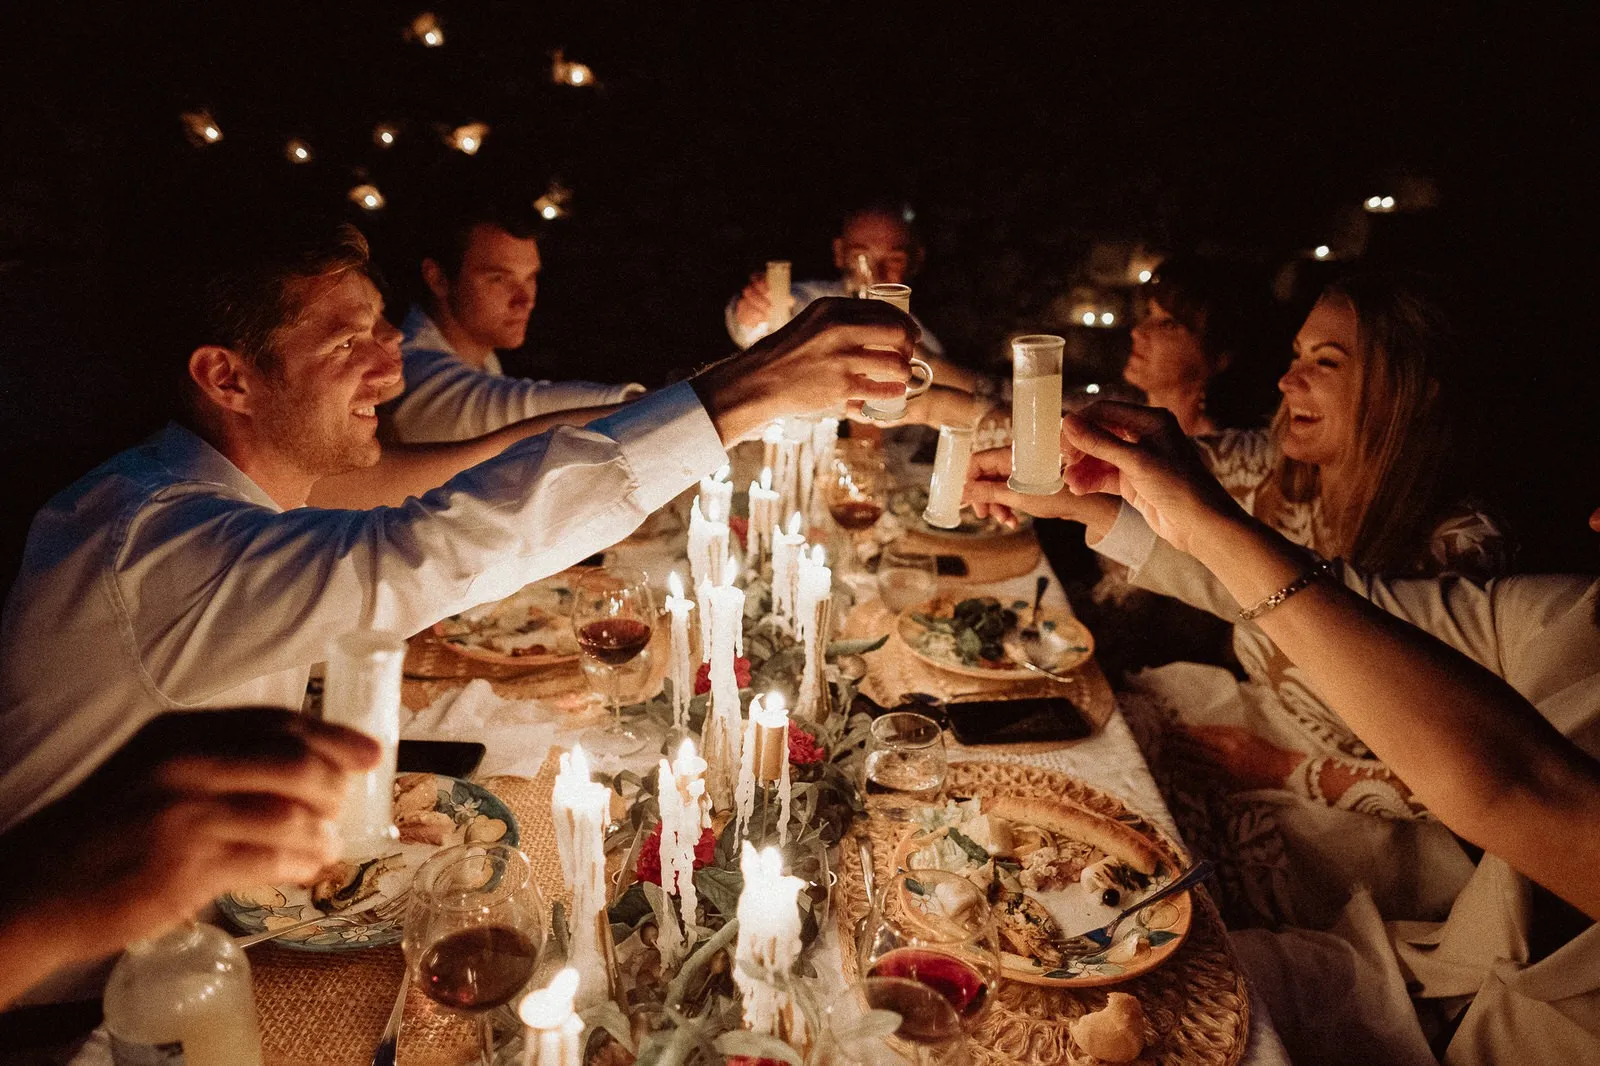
{"type": "Point", "coordinates": [928, 1034]}
{"type": "Point", "coordinates": [474, 930]}
{"type": "Point", "coordinates": [613, 615]}
{"type": "Point", "coordinates": [855, 489]}
{"type": "Point", "coordinates": [936, 929]}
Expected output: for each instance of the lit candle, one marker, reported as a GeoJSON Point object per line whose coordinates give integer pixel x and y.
{"type": "Point", "coordinates": [780, 301]}
{"type": "Point", "coordinates": [785, 563]}
{"type": "Point", "coordinates": [708, 545]}
{"type": "Point", "coordinates": [680, 789]}
{"type": "Point", "coordinates": [771, 437]}
{"type": "Point", "coordinates": [679, 606]}
{"type": "Point", "coordinates": [765, 763]}
{"type": "Point", "coordinates": [763, 516]}
{"type": "Point", "coordinates": [768, 945]}
{"type": "Point", "coordinates": [553, 1028]}
{"type": "Point", "coordinates": [716, 495]}
{"type": "Point", "coordinates": [813, 620]}
{"type": "Point", "coordinates": [580, 808]}
{"type": "Point", "coordinates": [721, 738]}
{"type": "Point", "coordinates": [786, 472]}
{"type": "Point", "coordinates": [949, 477]}
{"type": "Point", "coordinates": [824, 441]}
{"type": "Point", "coordinates": [1036, 414]}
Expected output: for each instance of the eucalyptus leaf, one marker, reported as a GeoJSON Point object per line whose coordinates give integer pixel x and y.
{"type": "Point", "coordinates": [975, 851]}
{"type": "Point", "coordinates": [720, 887]}
{"type": "Point", "coordinates": [856, 647]}
{"type": "Point", "coordinates": [631, 907]}
{"type": "Point", "coordinates": [608, 1016]}
{"type": "Point", "coordinates": [757, 1046]}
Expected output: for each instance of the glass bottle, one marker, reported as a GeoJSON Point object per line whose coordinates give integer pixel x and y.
{"type": "Point", "coordinates": [183, 999]}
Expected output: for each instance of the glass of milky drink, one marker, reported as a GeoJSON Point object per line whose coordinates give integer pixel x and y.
{"type": "Point", "coordinates": [949, 477]}
{"type": "Point", "coordinates": [1036, 414]}
{"type": "Point", "coordinates": [895, 409]}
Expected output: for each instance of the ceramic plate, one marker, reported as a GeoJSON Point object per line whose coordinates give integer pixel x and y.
{"type": "Point", "coordinates": [531, 627]}
{"type": "Point", "coordinates": [1144, 941]}
{"type": "Point", "coordinates": [1067, 638]}
{"type": "Point", "coordinates": [476, 814]}
{"type": "Point", "coordinates": [908, 505]}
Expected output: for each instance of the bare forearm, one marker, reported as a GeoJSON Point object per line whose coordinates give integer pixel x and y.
{"type": "Point", "coordinates": [32, 950]}
{"type": "Point", "coordinates": [407, 470]}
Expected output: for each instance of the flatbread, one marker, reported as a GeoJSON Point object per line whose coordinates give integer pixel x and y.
{"type": "Point", "coordinates": [1078, 823]}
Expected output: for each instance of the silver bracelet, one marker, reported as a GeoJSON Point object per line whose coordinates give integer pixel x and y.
{"type": "Point", "coordinates": [1250, 614]}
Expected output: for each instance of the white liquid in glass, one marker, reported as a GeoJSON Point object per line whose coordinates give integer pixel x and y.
{"type": "Point", "coordinates": [1036, 432]}
{"type": "Point", "coordinates": [362, 691]}
{"type": "Point", "coordinates": [949, 478]}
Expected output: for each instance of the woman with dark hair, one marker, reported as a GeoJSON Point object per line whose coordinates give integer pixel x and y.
{"type": "Point", "coordinates": [1204, 347]}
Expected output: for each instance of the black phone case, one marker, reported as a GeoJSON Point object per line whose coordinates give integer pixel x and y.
{"type": "Point", "coordinates": [1033, 721]}
{"type": "Point", "coordinates": [452, 758]}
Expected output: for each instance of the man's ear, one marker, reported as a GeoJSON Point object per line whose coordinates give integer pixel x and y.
{"type": "Point", "coordinates": [433, 276]}
{"type": "Point", "coordinates": [838, 254]}
{"type": "Point", "coordinates": [219, 374]}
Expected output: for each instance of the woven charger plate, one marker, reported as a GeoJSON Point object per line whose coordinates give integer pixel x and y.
{"type": "Point", "coordinates": [329, 1010]}
{"type": "Point", "coordinates": [1196, 1005]}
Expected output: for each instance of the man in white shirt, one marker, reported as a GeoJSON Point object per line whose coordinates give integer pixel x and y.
{"type": "Point", "coordinates": [188, 573]}
{"type": "Point", "coordinates": [481, 268]}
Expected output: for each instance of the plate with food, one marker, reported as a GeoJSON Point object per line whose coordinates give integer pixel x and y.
{"type": "Point", "coordinates": [908, 504]}
{"type": "Point", "coordinates": [1054, 870]}
{"type": "Point", "coordinates": [364, 901]}
{"type": "Point", "coordinates": [967, 636]}
{"type": "Point", "coordinates": [531, 627]}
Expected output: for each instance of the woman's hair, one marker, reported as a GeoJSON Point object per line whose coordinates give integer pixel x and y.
{"type": "Point", "coordinates": [1239, 330]}
{"type": "Point", "coordinates": [1412, 347]}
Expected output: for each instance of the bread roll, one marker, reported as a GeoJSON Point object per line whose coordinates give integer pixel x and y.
{"type": "Point", "coordinates": [1077, 823]}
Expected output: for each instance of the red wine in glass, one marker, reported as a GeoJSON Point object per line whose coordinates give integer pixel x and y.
{"type": "Point", "coordinates": [963, 987]}
{"type": "Point", "coordinates": [925, 1015]}
{"type": "Point", "coordinates": [855, 514]}
{"type": "Point", "coordinates": [478, 969]}
{"type": "Point", "coordinates": [614, 641]}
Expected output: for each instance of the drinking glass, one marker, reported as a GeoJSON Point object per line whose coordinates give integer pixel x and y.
{"type": "Point", "coordinates": [613, 615]}
{"type": "Point", "coordinates": [929, 1033]}
{"type": "Point", "coordinates": [474, 929]}
{"type": "Point", "coordinates": [906, 578]}
{"type": "Point", "coordinates": [854, 489]}
{"type": "Point", "coordinates": [1036, 414]}
{"type": "Point", "coordinates": [905, 763]}
{"type": "Point", "coordinates": [936, 929]}
{"type": "Point", "coordinates": [895, 409]}
{"type": "Point", "coordinates": [949, 479]}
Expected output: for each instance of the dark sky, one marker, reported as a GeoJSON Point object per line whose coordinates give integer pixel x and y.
{"type": "Point", "coordinates": [723, 135]}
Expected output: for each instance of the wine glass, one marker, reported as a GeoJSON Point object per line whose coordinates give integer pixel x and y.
{"type": "Point", "coordinates": [906, 578]}
{"type": "Point", "coordinates": [474, 929]}
{"type": "Point", "coordinates": [906, 763]}
{"type": "Point", "coordinates": [936, 929]}
{"type": "Point", "coordinates": [928, 1034]}
{"type": "Point", "coordinates": [855, 489]}
{"type": "Point", "coordinates": [612, 617]}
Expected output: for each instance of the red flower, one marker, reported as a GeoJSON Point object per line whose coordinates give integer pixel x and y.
{"type": "Point", "coordinates": [649, 866]}
{"type": "Point", "coordinates": [803, 747]}
{"type": "Point", "coordinates": [738, 528]}
{"type": "Point", "coordinates": [741, 674]}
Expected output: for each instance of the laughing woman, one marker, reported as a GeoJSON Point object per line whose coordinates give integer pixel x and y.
{"type": "Point", "coordinates": [1362, 463]}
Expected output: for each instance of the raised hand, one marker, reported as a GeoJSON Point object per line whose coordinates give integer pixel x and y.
{"type": "Point", "coordinates": [754, 302]}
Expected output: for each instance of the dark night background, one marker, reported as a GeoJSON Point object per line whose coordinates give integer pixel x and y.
{"type": "Point", "coordinates": [725, 135]}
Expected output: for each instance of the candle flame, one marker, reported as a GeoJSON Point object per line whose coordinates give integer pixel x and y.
{"type": "Point", "coordinates": [686, 753]}
{"type": "Point", "coordinates": [675, 585]}
{"type": "Point", "coordinates": [794, 524]}
{"type": "Point", "coordinates": [819, 555]}
{"type": "Point", "coordinates": [724, 473]}
{"type": "Point", "coordinates": [773, 434]}
{"type": "Point", "coordinates": [551, 1006]}
{"type": "Point", "coordinates": [766, 478]}
{"type": "Point", "coordinates": [579, 763]}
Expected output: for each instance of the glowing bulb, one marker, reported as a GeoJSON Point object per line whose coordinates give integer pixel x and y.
{"type": "Point", "coordinates": [425, 28]}
{"type": "Point", "coordinates": [469, 138]}
{"type": "Point", "coordinates": [549, 211]}
{"type": "Point", "coordinates": [1387, 203]}
{"type": "Point", "coordinates": [200, 127]}
{"type": "Point", "coordinates": [469, 145]}
{"type": "Point", "coordinates": [386, 137]}
{"type": "Point", "coordinates": [384, 134]}
{"type": "Point", "coordinates": [578, 74]}
{"type": "Point", "coordinates": [1092, 389]}
{"type": "Point", "coordinates": [1144, 276]}
{"type": "Point", "coordinates": [1107, 318]}
{"type": "Point", "coordinates": [1374, 203]}
{"type": "Point", "coordinates": [1088, 318]}
{"type": "Point", "coordinates": [431, 39]}
{"type": "Point", "coordinates": [297, 151]}
{"type": "Point", "coordinates": [367, 196]}
{"type": "Point", "coordinates": [1322, 251]}
{"type": "Point", "coordinates": [212, 133]}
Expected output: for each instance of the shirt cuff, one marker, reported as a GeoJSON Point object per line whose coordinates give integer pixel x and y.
{"type": "Point", "coordinates": [668, 440]}
{"type": "Point", "coordinates": [1129, 541]}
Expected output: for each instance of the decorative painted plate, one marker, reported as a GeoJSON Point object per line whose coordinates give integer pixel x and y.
{"type": "Point", "coordinates": [532, 627]}
{"type": "Point", "coordinates": [433, 812]}
{"type": "Point", "coordinates": [908, 504]}
{"type": "Point", "coordinates": [941, 632]}
{"type": "Point", "coordinates": [1055, 862]}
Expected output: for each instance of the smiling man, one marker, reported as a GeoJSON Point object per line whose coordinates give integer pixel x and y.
{"type": "Point", "coordinates": [188, 572]}
{"type": "Point", "coordinates": [480, 269]}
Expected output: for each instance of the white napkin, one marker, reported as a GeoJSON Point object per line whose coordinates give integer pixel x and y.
{"type": "Point", "coordinates": [517, 733]}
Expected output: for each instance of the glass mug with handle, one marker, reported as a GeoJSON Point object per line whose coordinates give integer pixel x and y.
{"type": "Point", "coordinates": [894, 409]}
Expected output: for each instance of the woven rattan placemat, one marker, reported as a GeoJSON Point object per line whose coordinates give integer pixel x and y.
{"type": "Point", "coordinates": [329, 1010]}
{"type": "Point", "coordinates": [1196, 1003]}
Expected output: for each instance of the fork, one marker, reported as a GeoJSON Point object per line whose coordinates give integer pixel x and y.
{"type": "Point", "coordinates": [1097, 940]}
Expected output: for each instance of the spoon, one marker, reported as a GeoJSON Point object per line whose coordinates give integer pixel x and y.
{"type": "Point", "coordinates": [1097, 940]}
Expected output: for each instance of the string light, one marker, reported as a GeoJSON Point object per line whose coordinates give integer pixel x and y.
{"type": "Point", "coordinates": [1379, 204]}
{"type": "Point", "coordinates": [297, 151]}
{"type": "Point", "coordinates": [367, 197]}
{"type": "Point", "coordinates": [1088, 318]}
{"type": "Point", "coordinates": [426, 30]}
{"type": "Point", "coordinates": [201, 128]}
{"type": "Point", "coordinates": [384, 134]}
{"type": "Point", "coordinates": [1322, 251]}
{"type": "Point", "coordinates": [1107, 318]}
{"type": "Point", "coordinates": [563, 72]}
{"type": "Point", "coordinates": [469, 138]}
{"type": "Point", "coordinates": [553, 204]}
{"type": "Point", "coordinates": [1144, 277]}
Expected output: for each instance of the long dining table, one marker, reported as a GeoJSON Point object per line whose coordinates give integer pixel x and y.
{"type": "Point", "coordinates": [524, 720]}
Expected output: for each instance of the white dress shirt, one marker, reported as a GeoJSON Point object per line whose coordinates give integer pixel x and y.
{"type": "Point", "coordinates": [447, 399]}
{"type": "Point", "coordinates": [166, 579]}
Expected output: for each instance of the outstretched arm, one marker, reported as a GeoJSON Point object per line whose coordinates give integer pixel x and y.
{"type": "Point", "coordinates": [1478, 754]}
